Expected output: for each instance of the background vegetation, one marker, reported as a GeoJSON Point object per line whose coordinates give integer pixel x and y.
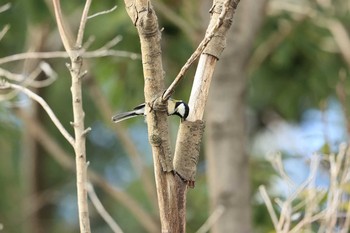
{"type": "Point", "coordinates": [298, 76]}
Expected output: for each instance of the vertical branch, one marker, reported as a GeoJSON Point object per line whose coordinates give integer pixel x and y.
{"type": "Point", "coordinates": [61, 27]}
{"type": "Point", "coordinates": [83, 20]}
{"type": "Point", "coordinates": [222, 14]}
{"type": "Point", "coordinates": [221, 18]}
{"type": "Point", "coordinates": [172, 190]}
{"type": "Point", "coordinates": [200, 88]}
{"type": "Point", "coordinates": [78, 111]}
{"type": "Point", "coordinates": [144, 18]}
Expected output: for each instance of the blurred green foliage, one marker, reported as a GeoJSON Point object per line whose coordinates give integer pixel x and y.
{"type": "Point", "coordinates": [298, 74]}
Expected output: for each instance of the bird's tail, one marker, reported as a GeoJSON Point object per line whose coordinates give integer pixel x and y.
{"type": "Point", "coordinates": [123, 116]}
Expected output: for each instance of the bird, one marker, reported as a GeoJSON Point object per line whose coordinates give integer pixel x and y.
{"type": "Point", "coordinates": [174, 107]}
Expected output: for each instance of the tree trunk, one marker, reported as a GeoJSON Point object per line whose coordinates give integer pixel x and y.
{"type": "Point", "coordinates": [34, 161]}
{"type": "Point", "coordinates": [228, 165]}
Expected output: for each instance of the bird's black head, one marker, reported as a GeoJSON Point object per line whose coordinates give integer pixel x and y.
{"type": "Point", "coordinates": [182, 109]}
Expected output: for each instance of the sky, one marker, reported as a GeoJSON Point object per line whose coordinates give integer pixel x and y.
{"type": "Point", "coordinates": [302, 141]}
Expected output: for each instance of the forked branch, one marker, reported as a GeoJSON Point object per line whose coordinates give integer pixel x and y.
{"type": "Point", "coordinates": [80, 131]}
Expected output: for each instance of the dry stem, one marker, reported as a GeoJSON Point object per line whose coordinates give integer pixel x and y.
{"type": "Point", "coordinates": [212, 219]}
{"type": "Point", "coordinates": [210, 34]}
{"type": "Point", "coordinates": [105, 50]}
{"type": "Point", "coordinates": [102, 12]}
{"type": "Point", "coordinates": [323, 215]}
{"type": "Point", "coordinates": [78, 113]}
{"type": "Point", "coordinates": [102, 211]}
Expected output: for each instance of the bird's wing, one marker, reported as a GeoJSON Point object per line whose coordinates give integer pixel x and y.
{"type": "Point", "coordinates": [141, 106]}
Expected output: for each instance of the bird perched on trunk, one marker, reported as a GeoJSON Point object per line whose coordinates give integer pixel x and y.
{"type": "Point", "coordinates": [174, 107]}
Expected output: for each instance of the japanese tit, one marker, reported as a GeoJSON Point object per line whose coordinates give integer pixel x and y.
{"type": "Point", "coordinates": [174, 107]}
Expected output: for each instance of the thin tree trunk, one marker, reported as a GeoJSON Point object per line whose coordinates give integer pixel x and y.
{"type": "Point", "coordinates": [228, 165]}
{"type": "Point", "coordinates": [34, 161]}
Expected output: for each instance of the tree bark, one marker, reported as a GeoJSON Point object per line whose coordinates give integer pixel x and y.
{"type": "Point", "coordinates": [228, 165]}
{"type": "Point", "coordinates": [145, 19]}
{"type": "Point", "coordinates": [171, 190]}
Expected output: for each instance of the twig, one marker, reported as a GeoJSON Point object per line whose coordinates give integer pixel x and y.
{"type": "Point", "coordinates": [338, 171]}
{"type": "Point", "coordinates": [63, 54]}
{"type": "Point", "coordinates": [83, 20]}
{"type": "Point", "coordinates": [269, 206]}
{"type": "Point", "coordinates": [102, 12]}
{"type": "Point", "coordinates": [111, 43]}
{"type": "Point", "coordinates": [45, 106]}
{"type": "Point", "coordinates": [101, 210]}
{"type": "Point", "coordinates": [276, 161]}
{"type": "Point", "coordinates": [49, 72]}
{"type": "Point", "coordinates": [341, 37]}
{"type": "Point", "coordinates": [197, 52]}
{"type": "Point", "coordinates": [30, 79]}
{"type": "Point", "coordinates": [61, 28]}
{"type": "Point", "coordinates": [212, 219]}
{"type": "Point", "coordinates": [5, 7]}
{"type": "Point", "coordinates": [11, 76]}
{"type": "Point", "coordinates": [344, 180]}
{"type": "Point", "coordinates": [90, 40]}
{"type": "Point", "coordinates": [305, 221]}
{"type": "Point", "coordinates": [284, 221]}
{"type": "Point", "coordinates": [4, 31]}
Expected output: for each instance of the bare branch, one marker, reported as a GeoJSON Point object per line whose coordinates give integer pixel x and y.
{"type": "Point", "coordinates": [88, 43]}
{"type": "Point", "coordinates": [83, 20]}
{"type": "Point", "coordinates": [101, 210]}
{"type": "Point", "coordinates": [305, 221]}
{"type": "Point", "coordinates": [210, 34]}
{"type": "Point", "coordinates": [102, 12]}
{"type": "Point", "coordinates": [329, 213]}
{"type": "Point", "coordinates": [63, 54]}
{"type": "Point", "coordinates": [5, 7]}
{"type": "Point", "coordinates": [341, 37]}
{"type": "Point", "coordinates": [212, 219]}
{"type": "Point", "coordinates": [76, 72]}
{"type": "Point", "coordinates": [111, 43]}
{"type": "Point", "coordinates": [4, 31]}
{"type": "Point", "coordinates": [61, 27]}
{"type": "Point", "coordinates": [45, 106]}
{"type": "Point", "coordinates": [11, 76]}
{"type": "Point", "coordinates": [200, 87]}
{"type": "Point", "coordinates": [277, 163]}
{"type": "Point", "coordinates": [29, 80]}
{"type": "Point", "coordinates": [49, 72]}
{"type": "Point", "coordinates": [269, 205]}
{"type": "Point", "coordinates": [114, 53]}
